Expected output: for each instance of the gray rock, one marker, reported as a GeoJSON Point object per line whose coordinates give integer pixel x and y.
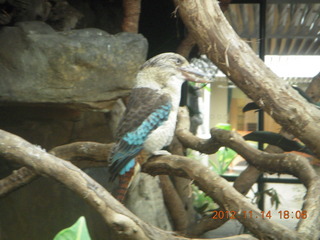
{"type": "Point", "coordinates": [145, 199]}
{"type": "Point", "coordinates": [87, 67]}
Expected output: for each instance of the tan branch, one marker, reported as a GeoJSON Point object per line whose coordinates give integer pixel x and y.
{"type": "Point", "coordinates": [293, 164]}
{"type": "Point", "coordinates": [246, 179]}
{"type": "Point", "coordinates": [186, 46]}
{"type": "Point", "coordinates": [208, 146]}
{"type": "Point", "coordinates": [174, 204]}
{"type": "Point", "coordinates": [81, 154]}
{"type": "Point", "coordinates": [220, 191]}
{"type": "Point", "coordinates": [313, 90]}
{"type": "Point", "coordinates": [16, 179]}
{"type": "Point", "coordinates": [131, 12]}
{"type": "Point", "coordinates": [207, 24]}
{"type": "Point", "coordinates": [174, 196]}
{"type": "Point", "coordinates": [125, 224]}
{"type": "Point", "coordinates": [84, 154]}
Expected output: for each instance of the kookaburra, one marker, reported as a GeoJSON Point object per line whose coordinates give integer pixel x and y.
{"type": "Point", "coordinates": [150, 118]}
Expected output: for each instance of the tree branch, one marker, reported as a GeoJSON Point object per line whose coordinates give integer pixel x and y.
{"type": "Point", "coordinates": [313, 90]}
{"type": "Point", "coordinates": [18, 178]}
{"type": "Point", "coordinates": [125, 224]}
{"type": "Point", "coordinates": [188, 140]}
{"type": "Point", "coordinates": [281, 163]}
{"type": "Point", "coordinates": [220, 191]}
{"type": "Point", "coordinates": [236, 59]}
{"type": "Point", "coordinates": [131, 12]}
{"type": "Point", "coordinates": [174, 204]}
{"type": "Point", "coordinates": [293, 164]}
{"type": "Point", "coordinates": [186, 46]}
{"type": "Point", "coordinates": [81, 154]}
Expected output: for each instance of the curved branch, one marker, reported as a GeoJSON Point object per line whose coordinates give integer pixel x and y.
{"type": "Point", "coordinates": [18, 178]}
{"type": "Point", "coordinates": [186, 46]}
{"type": "Point", "coordinates": [220, 191]}
{"type": "Point", "coordinates": [125, 224]}
{"type": "Point", "coordinates": [313, 90]}
{"type": "Point", "coordinates": [174, 204]}
{"type": "Point", "coordinates": [84, 154]}
{"type": "Point", "coordinates": [81, 154]}
{"type": "Point", "coordinates": [236, 59]}
{"type": "Point", "coordinates": [281, 163]}
{"type": "Point", "coordinates": [188, 140]}
{"type": "Point", "coordinates": [293, 164]}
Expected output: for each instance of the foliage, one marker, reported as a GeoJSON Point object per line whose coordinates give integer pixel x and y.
{"type": "Point", "coordinates": [77, 231]}
{"type": "Point", "coordinates": [202, 203]}
{"type": "Point", "coordinates": [224, 158]}
{"type": "Point", "coordinates": [272, 193]}
{"type": "Point", "coordinates": [200, 86]}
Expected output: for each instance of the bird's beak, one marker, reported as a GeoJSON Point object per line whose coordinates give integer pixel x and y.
{"type": "Point", "coordinates": [194, 75]}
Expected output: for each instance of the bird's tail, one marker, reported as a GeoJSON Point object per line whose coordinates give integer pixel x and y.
{"type": "Point", "coordinates": [126, 179]}
{"type": "Point", "coordinates": [124, 183]}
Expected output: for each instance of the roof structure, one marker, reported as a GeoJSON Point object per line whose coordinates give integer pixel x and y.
{"type": "Point", "coordinates": [292, 27]}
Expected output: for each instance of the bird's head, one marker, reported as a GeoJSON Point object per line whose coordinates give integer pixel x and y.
{"type": "Point", "coordinates": [168, 70]}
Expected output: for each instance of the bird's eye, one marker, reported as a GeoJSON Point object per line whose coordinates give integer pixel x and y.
{"type": "Point", "coordinates": [178, 61]}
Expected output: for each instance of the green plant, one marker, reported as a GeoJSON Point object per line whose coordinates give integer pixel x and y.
{"type": "Point", "coordinates": [272, 193]}
{"type": "Point", "coordinates": [224, 158]}
{"type": "Point", "coordinates": [77, 231]}
{"type": "Point", "coordinates": [202, 203]}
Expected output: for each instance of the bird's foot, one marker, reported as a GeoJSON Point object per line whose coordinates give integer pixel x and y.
{"type": "Point", "coordinates": [161, 152]}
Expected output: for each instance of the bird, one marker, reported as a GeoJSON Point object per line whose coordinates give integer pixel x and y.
{"type": "Point", "coordinates": [149, 121]}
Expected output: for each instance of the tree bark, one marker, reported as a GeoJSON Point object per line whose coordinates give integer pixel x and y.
{"type": "Point", "coordinates": [131, 12]}
{"type": "Point", "coordinates": [265, 162]}
{"type": "Point", "coordinates": [125, 224]}
{"type": "Point", "coordinates": [16, 149]}
{"type": "Point", "coordinates": [236, 59]}
{"type": "Point", "coordinates": [313, 90]}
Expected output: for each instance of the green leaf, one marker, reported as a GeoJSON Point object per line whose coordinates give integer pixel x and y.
{"type": "Point", "coordinates": [77, 231]}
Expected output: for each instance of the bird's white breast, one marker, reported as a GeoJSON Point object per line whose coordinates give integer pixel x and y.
{"type": "Point", "coordinates": [163, 135]}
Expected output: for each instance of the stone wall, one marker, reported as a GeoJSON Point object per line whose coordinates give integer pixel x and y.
{"type": "Point", "coordinates": [58, 87]}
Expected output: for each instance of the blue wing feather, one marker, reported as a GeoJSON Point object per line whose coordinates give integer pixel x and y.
{"type": "Point", "coordinates": [127, 167]}
{"type": "Point", "coordinates": [131, 143]}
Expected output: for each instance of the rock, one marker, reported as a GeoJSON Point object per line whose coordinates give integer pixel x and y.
{"type": "Point", "coordinates": [79, 68]}
{"type": "Point", "coordinates": [105, 15]}
{"type": "Point", "coordinates": [13, 11]}
{"type": "Point", "coordinates": [145, 199]}
{"type": "Point", "coordinates": [63, 17]}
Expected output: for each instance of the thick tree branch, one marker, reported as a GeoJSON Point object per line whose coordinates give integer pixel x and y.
{"type": "Point", "coordinates": [186, 46]}
{"type": "Point", "coordinates": [282, 163]}
{"type": "Point", "coordinates": [313, 90]}
{"type": "Point", "coordinates": [293, 164]}
{"type": "Point", "coordinates": [208, 146]}
{"type": "Point", "coordinates": [125, 224]}
{"type": "Point", "coordinates": [236, 59]}
{"type": "Point", "coordinates": [131, 12]}
{"type": "Point", "coordinates": [16, 179]}
{"type": "Point", "coordinates": [246, 179]}
{"type": "Point", "coordinates": [174, 204]}
{"type": "Point", "coordinates": [81, 154]}
{"type": "Point", "coordinates": [84, 154]}
{"type": "Point", "coordinates": [177, 202]}
{"type": "Point", "coordinates": [221, 192]}
{"type": "Point", "coordinates": [266, 162]}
